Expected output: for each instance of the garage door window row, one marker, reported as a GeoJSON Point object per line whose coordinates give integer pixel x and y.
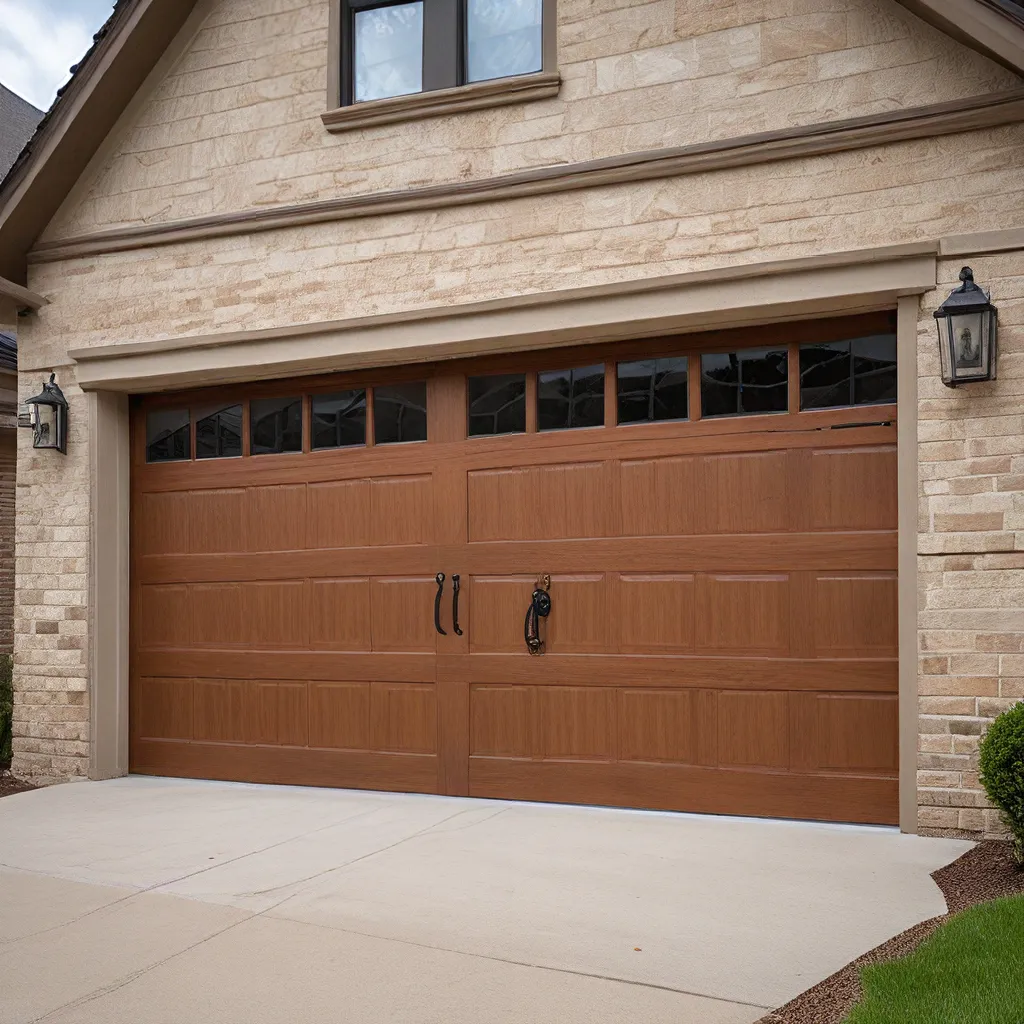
{"type": "Point", "coordinates": [337, 420]}
{"type": "Point", "coordinates": [751, 381]}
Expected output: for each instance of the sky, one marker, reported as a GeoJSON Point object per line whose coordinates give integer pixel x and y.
{"type": "Point", "coordinates": [41, 39]}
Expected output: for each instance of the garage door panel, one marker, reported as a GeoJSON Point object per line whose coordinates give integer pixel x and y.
{"type": "Point", "coordinates": [660, 496]}
{"type": "Point", "coordinates": [540, 502]}
{"type": "Point", "coordinates": [217, 616]}
{"type": "Point", "coordinates": [340, 614]}
{"type": "Point", "coordinates": [275, 614]}
{"type": "Point", "coordinates": [846, 732]}
{"type": "Point", "coordinates": [219, 710]}
{"type": "Point", "coordinates": [854, 489]}
{"type": "Point", "coordinates": [743, 614]}
{"type": "Point", "coordinates": [659, 725]}
{"type": "Point", "coordinates": [276, 713]}
{"type": "Point", "coordinates": [745, 493]}
{"type": "Point", "coordinates": [578, 722]}
{"type": "Point", "coordinates": [497, 608]}
{"type": "Point", "coordinates": [162, 708]}
{"type": "Point", "coordinates": [753, 729]}
{"type": "Point", "coordinates": [402, 614]}
{"type": "Point", "coordinates": [501, 721]}
{"type": "Point", "coordinates": [400, 510]}
{"type": "Point", "coordinates": [339, 514]}
{"type": "Point", "coordinates": [581, 625]}
{"type": "Point", "coordinates": [162, 524]}
{"type": "Point", "coordinates": [276, 518]}
{"type": "Point", "coordinates": [657, 612]}
{"type": "Point", "coordinates": [216, 521]}
{"type": "Point", "coordinates": [403, 718]}
{"type": "Point", "coordinates": [164, 616]}
{"type": "Point", "coordinates": [856, 615]}
{"type": "Point", "coordinates": [339, 715]}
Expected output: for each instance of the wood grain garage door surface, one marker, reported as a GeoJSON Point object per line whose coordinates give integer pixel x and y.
{"type": "Point", "coordinates": [724, 623]}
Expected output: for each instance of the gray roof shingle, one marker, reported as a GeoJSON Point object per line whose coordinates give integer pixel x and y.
{"type": "Point", "coordinates": [18, 121]}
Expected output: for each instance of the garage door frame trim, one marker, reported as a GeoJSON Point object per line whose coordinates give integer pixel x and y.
{"type": "Point", "coordinates": [797, 292]}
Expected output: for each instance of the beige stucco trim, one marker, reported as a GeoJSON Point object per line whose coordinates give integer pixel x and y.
{"type": "Point", "coordinates": [884, 128]}
{"type": "Point", "coordinates": [497, 92]}
{"type": "Point", "coordinates": [907, 486]}
{"type": "Point", "coordinates": [982, 243]}
{"type": "Point", "coordinates": [762, 293]}
{"type": "Point", "coordinates": [20, 297]}
{"type": "Point", "coordinates": [108, 583]}
{"type": "Point", "coordinates": [977, 25]}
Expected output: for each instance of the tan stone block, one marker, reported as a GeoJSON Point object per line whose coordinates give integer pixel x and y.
{"type": "Point", "coordinates": [935, 743]}
{"type": "Point", "coordinates": [938, 817]}
{"type": "Point", "coordinates": [1011, 687]}
{"type": "Point", "coordinates": [959, 686]}
{"type": "Point", "coordinates": [946, 780]}
{"type": "Point", "coordinates": [969, 521]}
{"type": "Point", "coordinates": [948, 705]}
{"type": "Point", "coordinates": [990, 707]}
{"type": "Point", "coordinates": [934, 665]}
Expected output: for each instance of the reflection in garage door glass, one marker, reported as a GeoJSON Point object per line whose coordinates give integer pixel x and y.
{"type": "Point", "coordinates": [653, 389]}
{"type": "Point", "coordinates": [400, 413]}
{"type": "Point", "coordinates": [276, 425]}
{"type": "Point", "coordinates": [497, 404]}
{"type": "Point", "coordinates": [168, 436]}
{"type": "Point", "coordinates": [339, 420]}
{"type": "Point", "coordinates": [753, 380]}
{"type": "Point", "coordinates": [219, 434]}
{"type": "Point", "coordinates": [570, 398]}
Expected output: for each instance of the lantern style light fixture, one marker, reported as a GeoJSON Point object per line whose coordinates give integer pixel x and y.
{"type": "Point", "coordinates": [967, 334]}
{"type": "Point", "coordinates": [48, 414]}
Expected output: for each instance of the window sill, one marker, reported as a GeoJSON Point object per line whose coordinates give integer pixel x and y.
{"type": "Point", "coordinates": [478, 96]}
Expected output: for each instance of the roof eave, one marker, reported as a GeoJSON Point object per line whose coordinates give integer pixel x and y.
{"type": "Point", "coordinates": [133, 41]}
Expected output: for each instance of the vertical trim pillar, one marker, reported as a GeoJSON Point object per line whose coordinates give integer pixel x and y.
{"type": "Point", "coordinates": [108, 589]}
{"type": "Point", "coordinates": [907, 504]}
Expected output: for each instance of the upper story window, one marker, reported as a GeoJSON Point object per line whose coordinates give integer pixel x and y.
{"type": "Point", "coordinates": [399, 49]}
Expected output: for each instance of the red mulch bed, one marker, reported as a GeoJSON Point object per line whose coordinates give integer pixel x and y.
{"type": "Point", "coordinates": [985, 873]}
{"type": "Point", "coordinates": [9, 785]}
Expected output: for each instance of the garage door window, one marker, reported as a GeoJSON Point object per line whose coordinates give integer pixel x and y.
{"type": "Point", "coordinates": [751, 381]}
{"type": "Point", "coordinates": [567, 399]}
{"type": "Point", "coordinates": [653, 389]}
{"type": "Point", "coordinates": [400, 413]}
{"type": "Point", "coordinates": [168, 436]}
{"type": "Point", "coordinates": [497, 404]}
{"type": "Point", "coordinates": [219, 434]}
{"type": "Point", "coordinates": [339, 420]}
{"type": "Point", "coordinates": [276, 425]}
{"type": "Point", "coordinates": [858, 371]}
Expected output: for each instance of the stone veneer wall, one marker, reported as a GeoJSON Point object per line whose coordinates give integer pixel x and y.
{"type": "Point", "coordinates": [51, 706]}
{"type": "Point", "coordinates": [8, 474]}
{"type": "Point", "coordinates": [971, 555]}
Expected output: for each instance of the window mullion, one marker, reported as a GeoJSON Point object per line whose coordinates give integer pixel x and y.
{"type": "Point", "coordinates": [442, 44]}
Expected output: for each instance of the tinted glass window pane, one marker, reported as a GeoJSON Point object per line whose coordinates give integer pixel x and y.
{"type": "Point", "coordinates": [339, 421]}
{"type": "Point", "coordinates": [825, 379]}
{"type": "Point", "coordinates": [741, 383]}
{"type": "Point", "coordinates": [874, 369]}
{"type": "Point", "coordinates": [400, 413]}
{"type": "Point", "coordinates": [503, 37]}
{"type": "Point", "coordinates": [388, 52]}
{"type": "Point", "coordinates": [497, 404]}
{"type": "Point", "coordinates": [275, 425]}
{"type": "Point", "coordinates": [570, 398]}
{"type": "Point", "coordinates": [168, 436]}
{"type": "Point", "coordinates": [219, 434]}
{"type": "Point", "coordinates": [653, 389]}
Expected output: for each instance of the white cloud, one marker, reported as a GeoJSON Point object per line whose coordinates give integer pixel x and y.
{"type": "Point", "coordinates": [40, 42]}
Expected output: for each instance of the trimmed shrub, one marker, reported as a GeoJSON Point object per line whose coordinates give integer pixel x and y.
{"type": "Point", "coordinates": [6, 709]}
{"type": "Point", "coordinates": [1002, 772]}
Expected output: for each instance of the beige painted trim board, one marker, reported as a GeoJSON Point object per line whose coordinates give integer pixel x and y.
{"type": "Point", "coordinates": [109, 479]}
{"type": "Point", "coordinates": [907, 487]}
{"type": "Point", "coordinates": [785, 144]}
{"type": "Point", "coordinates": [851, 282]}
{"type": "Point", "coordinates": [982, 243]}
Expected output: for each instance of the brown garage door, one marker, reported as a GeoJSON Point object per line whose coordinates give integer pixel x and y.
{"type": "Point", "coordinates": [717, 515]}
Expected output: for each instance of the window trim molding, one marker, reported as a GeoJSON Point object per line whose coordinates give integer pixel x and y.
{"type": "Point", "coordinates": [495, 92]}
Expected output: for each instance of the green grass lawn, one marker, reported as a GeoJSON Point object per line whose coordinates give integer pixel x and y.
{"type": "Point", "coordinates": [971, 971]}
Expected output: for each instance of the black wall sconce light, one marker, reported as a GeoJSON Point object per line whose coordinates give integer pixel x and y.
{"type": "Point", "coordinates": [48, 417]}
{"type": "Point", "coordinates": [967, 323]}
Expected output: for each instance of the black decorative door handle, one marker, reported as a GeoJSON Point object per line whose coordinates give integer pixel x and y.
{"type": "Point", "coordinates": [439, 580]}
{"type": "Point", "coordinates": [540, 608]}
{"type": "Point", "coordinates": [456, 587]}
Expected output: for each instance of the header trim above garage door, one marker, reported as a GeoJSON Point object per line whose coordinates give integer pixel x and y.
{"type": "Point", "coordinates": [858, 281]}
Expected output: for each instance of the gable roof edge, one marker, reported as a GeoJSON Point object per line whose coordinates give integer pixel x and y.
{"type": "Point", "coordinates": [101, 87]}
{"type": "Point", "coordinates": [994, 28]}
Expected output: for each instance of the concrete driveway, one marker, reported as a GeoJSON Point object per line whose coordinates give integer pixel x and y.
{"type": "Point", "coordinates": [151, 900]}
